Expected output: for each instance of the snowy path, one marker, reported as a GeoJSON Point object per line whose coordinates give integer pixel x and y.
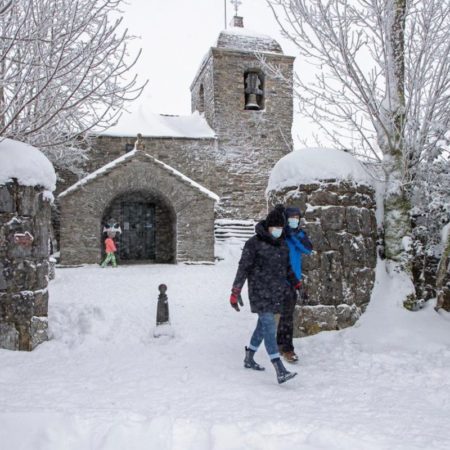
{"type": "Point", "coordinates": [103, 382]}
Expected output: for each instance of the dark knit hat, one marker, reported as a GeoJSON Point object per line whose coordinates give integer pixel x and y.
{"type": "Point", "coordinates": [276, 217]}
{"type": "Point", "coordinates": [292, 211]}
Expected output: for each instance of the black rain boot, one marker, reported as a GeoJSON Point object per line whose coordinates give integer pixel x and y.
{"type": "Point", "coordinates": [249, 362]}
{"type": "Point", "coordinates": [282, 374]}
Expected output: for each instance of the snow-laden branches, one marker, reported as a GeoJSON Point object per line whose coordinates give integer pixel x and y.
{"type": "Point", "coordinates": [4, 8]}
{"type": "Point", "coordinates": [63, 71]}
{"type": "Point", "coordinates": [374, 72]}
{"type": "Point", "coordinates": [375, 77]}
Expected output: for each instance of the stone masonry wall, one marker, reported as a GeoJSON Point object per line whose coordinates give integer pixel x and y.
{"type": "Point", "coordinates": [339, 275]}
{"type": "Point", "coordinates": [237, 164]}
{"type": "Point", "coordinates": [193, 211]}
{"type": "Point", "coordinates": [24, 253]}
{"type": "Point", "coordinates": [249, 142]}
{"type": "Point", "coordinates": [192, 157]}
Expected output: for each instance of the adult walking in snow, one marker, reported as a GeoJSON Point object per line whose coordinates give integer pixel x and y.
{"type": "Point", "coordinates": [110, 250]}
{"type": "Point", "coordinates": [299, 244]}
{"type": "Point", "coordinates": [265, 264]}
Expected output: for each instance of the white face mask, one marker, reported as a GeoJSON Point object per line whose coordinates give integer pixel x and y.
{"type": "Point", "coordinates": [293, 222]}
{"type": "Point", "coordinates": [276, 232]}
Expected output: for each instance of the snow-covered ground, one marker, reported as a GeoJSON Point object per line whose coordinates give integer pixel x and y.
{"type": "Point", "coordinates": [104, 382]}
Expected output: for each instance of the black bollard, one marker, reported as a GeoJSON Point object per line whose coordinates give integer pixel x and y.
{"type": "Point", "coordinates": [163, 327]}
{"type": "Point", "coordinates": [162, 313]}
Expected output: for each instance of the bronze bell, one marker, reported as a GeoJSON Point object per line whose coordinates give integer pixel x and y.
{"type": "Point", "coordinates": [252, 103]}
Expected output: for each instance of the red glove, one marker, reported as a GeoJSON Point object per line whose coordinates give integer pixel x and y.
{"type": "Point", "coordinates": [235, 298]}
{"type": "Point", "coordinates": [298, 285]}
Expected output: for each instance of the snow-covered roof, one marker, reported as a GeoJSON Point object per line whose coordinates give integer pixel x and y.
{"type": "Point", "coordinates": [186, 179]}
{"type": "Point", "coordinates": [128, 156]}
{"type": "Point", "coordinates": [310, 165]}
{"type": "Point", "coordinates": [103, 170]}
{"type": "Point", "coordinates": [238, 38]}
{"type": "Point", "coordinates": [25, 163]}
{"type": "Point", "coordinates": [150, 124]}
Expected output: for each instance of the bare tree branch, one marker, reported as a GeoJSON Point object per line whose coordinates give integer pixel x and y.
{"type": "Point", "coordinates": [63, 72]}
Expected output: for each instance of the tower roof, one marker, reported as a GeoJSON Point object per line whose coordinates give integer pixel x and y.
{"type": "Point", "coordinates": [238, 38]}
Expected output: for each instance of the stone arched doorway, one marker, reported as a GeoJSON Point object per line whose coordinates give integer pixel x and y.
{"type": "Point", "coordinates": [183, 210]}
{"type": "Point", "coordinates": [148, 225]}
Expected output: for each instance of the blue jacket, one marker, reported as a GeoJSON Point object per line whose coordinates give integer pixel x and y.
{"type": "Point", "coordinates": [298, 243]}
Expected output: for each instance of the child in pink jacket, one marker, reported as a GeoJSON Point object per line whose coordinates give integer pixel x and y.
{"type": "Point", "coordinates": [110, 249]}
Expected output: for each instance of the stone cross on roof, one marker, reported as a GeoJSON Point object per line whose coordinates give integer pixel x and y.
{"type": "Point", "coordinates": [236, 4]}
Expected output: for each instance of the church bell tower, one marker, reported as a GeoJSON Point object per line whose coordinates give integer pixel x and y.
{"type": "Point", "coordinates": [244, 89]}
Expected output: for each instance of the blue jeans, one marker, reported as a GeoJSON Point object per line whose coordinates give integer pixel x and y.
{"type": "Point", "coordinates": [267, 331]}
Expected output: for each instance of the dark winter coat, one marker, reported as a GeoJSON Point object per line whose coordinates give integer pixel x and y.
{"type": "Point", "coordinates": [265, 264]}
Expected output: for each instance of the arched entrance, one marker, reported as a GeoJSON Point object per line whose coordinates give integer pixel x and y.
{"type": "Point", "coordinates": [148, 225]}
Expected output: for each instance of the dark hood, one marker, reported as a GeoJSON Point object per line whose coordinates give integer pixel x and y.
{"type": "Point", "coordinates": [262, 231]}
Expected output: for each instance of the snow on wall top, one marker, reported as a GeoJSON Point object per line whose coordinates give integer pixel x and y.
{"type": "Point", "coordinates": [25, 163]}
{"type": "Point", "coordinates": [103, 170]}
{"type": "Point", "coordinates": [158, 125]}
{"type": "Point", "coordinates": [237, 38]}
{"type": "Point", "coordinates": [130, 155]}
{"type": "Point", "coordinates": [310, 165]}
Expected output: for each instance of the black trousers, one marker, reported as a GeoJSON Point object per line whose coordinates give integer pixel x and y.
{"type": "Point", "coordinates": [285, 332]}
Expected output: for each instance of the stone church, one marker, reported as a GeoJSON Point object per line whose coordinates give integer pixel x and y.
{"type": "Point", "coordinates": [185, 173]}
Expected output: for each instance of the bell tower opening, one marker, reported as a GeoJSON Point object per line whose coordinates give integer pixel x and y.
{"type": "Point", "coordinates": [254, 90]}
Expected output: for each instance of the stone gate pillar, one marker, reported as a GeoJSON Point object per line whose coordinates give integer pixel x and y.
{"type": "Point", "coordinates": [24, 245]}
{"type": "Point", "coordinates": [337, 202]}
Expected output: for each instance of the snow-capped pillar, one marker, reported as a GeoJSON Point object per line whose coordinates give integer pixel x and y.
{"type": "Point", "coordinates": [337, 202]}
{"type": "Point", "coordinates": [25, 219]}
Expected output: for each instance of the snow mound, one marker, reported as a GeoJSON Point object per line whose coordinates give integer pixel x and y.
{"type": "Point", "coordinates": [25, 163]}
{"type": "Point", "coordinates": [158, 125]}
{"type": "Point", "coordinates": [310, 165]}
{"type": "Point", "coordinates": [104, 382]}
{"type": "Point", "coordinates": [388, 328]}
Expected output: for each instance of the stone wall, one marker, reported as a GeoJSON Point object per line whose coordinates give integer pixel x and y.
{"type": "Point", "coordinates": [236, 165]}
{"type": "Point", "coordinates": [24, 252]}
{"type": "Point", "coordinates": [249, 142]}
{"type": "Point", "coordinates": [191, 209]}
{"type": "Point", "coordinates": [192, 157]}
{"type": "Point", "coordinates": [339, 275]}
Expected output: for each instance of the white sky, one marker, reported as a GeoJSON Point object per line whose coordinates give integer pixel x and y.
{"type": "Point", "coordinates": [176, 34]}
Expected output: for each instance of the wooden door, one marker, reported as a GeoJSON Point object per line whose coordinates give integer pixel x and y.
{"type": "Point", "coordinates": [137, 241]}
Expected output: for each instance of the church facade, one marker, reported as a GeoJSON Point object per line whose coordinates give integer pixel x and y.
{"type": "Point", "coordinates": [186, 172]}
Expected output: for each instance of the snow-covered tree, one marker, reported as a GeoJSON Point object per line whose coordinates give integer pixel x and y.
{"type": "Point", "coordinates": [63, 71]}
{"type": "Point", "coordinates": [430, 213]}
{"type": "Point", "coordinates": [381, 86]}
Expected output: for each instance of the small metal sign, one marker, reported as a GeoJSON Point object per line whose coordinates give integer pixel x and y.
{"type": "Point", "coordinates": [23, 239]}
